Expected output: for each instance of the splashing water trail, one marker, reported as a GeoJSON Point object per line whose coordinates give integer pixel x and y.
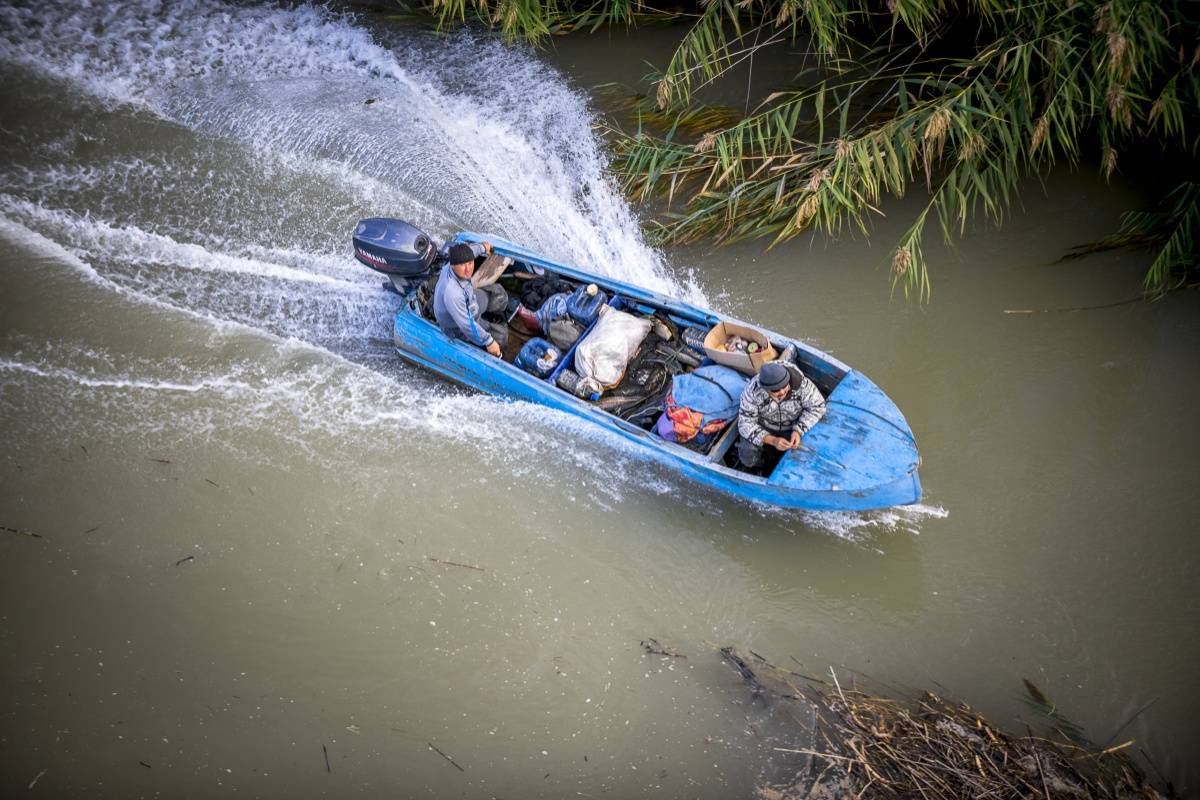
{"type": "Point", "coordinates": [262, 134]}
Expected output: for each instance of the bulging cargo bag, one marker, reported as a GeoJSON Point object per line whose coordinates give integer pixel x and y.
{"type": "Point", "coordinates": [605, 352]}
{"type": "Point", "coordinates": [554, 307]}
{"type": "Point", "coordinates": [700, 404]}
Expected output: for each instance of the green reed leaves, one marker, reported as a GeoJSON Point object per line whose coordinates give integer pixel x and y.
{"type": "Point", "coordinates": [961, 98]}
{"type": "Point", "coordinates": [1039, 83]}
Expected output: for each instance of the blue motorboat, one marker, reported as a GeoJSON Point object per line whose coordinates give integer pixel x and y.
{"type": "Point", "coordinates": [862, 454]}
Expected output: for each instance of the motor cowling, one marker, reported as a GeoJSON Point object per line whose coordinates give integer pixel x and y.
{"type": "Point", "coordinates": [393, 247]}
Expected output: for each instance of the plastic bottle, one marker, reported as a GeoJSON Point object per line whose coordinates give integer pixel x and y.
{"type": "Point", "coordinates": [586, 388]}
{"type": "Point", "coordinates": [694, 338]}
{"type": "Point", "coordinates": [538, 357]}
{"type": "Point", "coordinates": [547, 363]}
{"type": "Point", "coordinates": [585, 303]}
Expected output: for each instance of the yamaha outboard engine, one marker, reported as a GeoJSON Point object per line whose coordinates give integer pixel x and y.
{"type": "Point", "coordinates": [396, 249]}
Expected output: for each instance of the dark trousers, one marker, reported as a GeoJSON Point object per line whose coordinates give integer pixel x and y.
{"type": "Point", "coordinates": [750, 454]}
{"type": "Point", "coordinates": [493, 299]}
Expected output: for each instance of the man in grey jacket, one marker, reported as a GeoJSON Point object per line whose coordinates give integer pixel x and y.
{"type": "Point", "coordinates": [778, 406]}
{"type": "Point", "coordinates": [459, 306]}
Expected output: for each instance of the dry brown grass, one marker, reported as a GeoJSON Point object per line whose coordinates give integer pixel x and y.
{"type": "Point", "coordinates": [869, 747]}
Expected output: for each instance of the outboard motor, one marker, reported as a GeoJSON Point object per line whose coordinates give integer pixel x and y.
{"type": "Point", "coordinates": [396, 249]}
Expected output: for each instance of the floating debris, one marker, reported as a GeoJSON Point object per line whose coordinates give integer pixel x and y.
{"type": "Point", "coordinates": [434, 748]}
{"type": "Point", "coordinates": [872, 747]}
{"type": "Point", "coordinates": [454, 564]}
{"type": "Point", "coordinates": [653, 647]}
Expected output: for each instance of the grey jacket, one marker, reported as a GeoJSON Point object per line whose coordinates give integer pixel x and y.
{"type": "Point", "coordinates": [760, 414]}
{"type": "Point", "coordinates": [455, 307]}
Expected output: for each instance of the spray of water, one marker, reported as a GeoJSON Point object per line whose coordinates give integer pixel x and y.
{"type": "Point", "coordinates": [474, 134]}
{"type": "Point", "coordinates": [224, 152]}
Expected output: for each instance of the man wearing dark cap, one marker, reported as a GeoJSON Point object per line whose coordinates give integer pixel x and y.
{"type": "Point", "coordinates": [459, 306]}
{"type": "Point", "coordinates": [778, 406]}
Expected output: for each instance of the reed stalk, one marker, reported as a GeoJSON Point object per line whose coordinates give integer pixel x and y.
{"type": "Point", "coordinates": [960, 99]}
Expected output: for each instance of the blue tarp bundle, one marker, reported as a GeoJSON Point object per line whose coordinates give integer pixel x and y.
{"type": "Point", "coordinates": [701, 403]}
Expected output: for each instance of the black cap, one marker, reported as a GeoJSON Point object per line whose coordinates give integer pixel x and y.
{"type": "Point", "coordinates": [773, 376]}
{"type": "Point", "coordinates": [461, 254]}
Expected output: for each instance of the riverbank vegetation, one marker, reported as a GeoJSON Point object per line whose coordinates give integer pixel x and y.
{"type": "Point", "coordinates": [960, 99]}
{"type": "Point", "coordinates": [867, 745]}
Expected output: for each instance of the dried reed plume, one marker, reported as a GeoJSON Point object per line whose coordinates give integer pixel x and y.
{"type": "Point", "coordinates": [706, 142]}
{"type": "Point", "coordinates": [807, 210]}
{"type": "Point", "coordinates": [1108, 163]}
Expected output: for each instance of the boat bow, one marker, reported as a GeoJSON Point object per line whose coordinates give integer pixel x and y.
{"type": "Point", "coordinates": [862, 447]}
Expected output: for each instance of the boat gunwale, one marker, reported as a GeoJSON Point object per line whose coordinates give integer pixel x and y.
{"type": "Point", "coordinates": [696, 466]}
{"type": "Point", "coordinates": [699, 315]}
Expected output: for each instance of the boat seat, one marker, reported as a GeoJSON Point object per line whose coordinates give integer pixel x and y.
{"type": "Point", "coordinates": [721, 446]}
{"type": "Point", "coordinates": [425, 296]}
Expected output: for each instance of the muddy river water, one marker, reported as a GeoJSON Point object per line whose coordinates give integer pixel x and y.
{"type": "Point", "coordinates": [271, 559]}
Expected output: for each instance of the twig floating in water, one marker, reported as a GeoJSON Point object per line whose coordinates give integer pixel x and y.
{"type": "Point", "coordinates": [214, 483]}
{"type": "Point", "coordinates": [808, 678]}
{"type": "Point", "coordinates": [93, 530]}
{"type": "Point", "coordinates": [654, 648]}
{"type": "Point", "coordinates": [326, 752]}
{"type": "Point", "coordinates": [453, 564]}
{"type": "Point", "coordinates": [1115, 748]}
{"type": "Point", "coordinates": [1127, 722]}
{"type": "Point", "coordinates": [811, 753]}
{"type": "Point", "coordinates": [185, 559]}
{"type": "Point", "coordinates": [144, 764]}
{"type": "Point", "coordinates": [1071, 308]}
{"type": "Point", "coordinates": [22, 532]}
{"type": "Point", "coordinates": [1041, 773]}
{"type": "Point", "coordinates": [38, 777]}
{"type": "Point", "coordinates": [161, 460]}
{"type": "Point", "coordinates": [434, 748]}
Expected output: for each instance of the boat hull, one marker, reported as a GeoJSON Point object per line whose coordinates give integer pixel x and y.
{"type": "Point", "coordinates": [860, 456]}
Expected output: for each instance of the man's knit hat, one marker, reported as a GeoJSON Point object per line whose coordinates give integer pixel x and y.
{"type": "Point", "coordinates": [461, 254]}
{"type": "Point", "coordinates": [773, 376]}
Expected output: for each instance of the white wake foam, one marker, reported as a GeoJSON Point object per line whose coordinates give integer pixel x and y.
{"type": "Point", "coordinates": [286, 125]}
{"type": "Point", "coordinates": [136, 246]}
{"type": "Point", "coordinates": [491, 138]}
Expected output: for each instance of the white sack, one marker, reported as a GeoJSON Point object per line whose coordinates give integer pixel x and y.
{"type": "Point", "coordinates": [604, 353]}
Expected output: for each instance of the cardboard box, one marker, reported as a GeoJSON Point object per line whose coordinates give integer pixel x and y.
{"type": "Point", "coordinates": [745, 363]}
